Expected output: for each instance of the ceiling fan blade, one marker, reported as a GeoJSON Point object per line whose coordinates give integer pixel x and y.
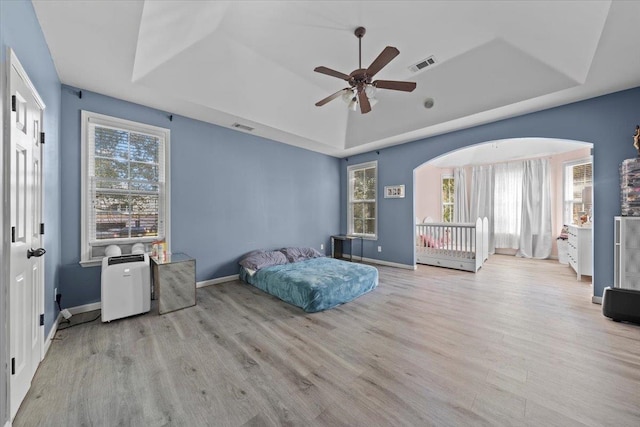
{"type": "Point", "coordinates": [365, 105]}
{"type": "Point", "coordinates": [394, 85]}
{"type": "Point", "coordinates": [330, 97]}
{"type": "Point", "coordinates": [383, 59]}
{"type": "Point", "coordinates": [332, 73]}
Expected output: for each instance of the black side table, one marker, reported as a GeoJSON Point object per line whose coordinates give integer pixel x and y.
{"type": "Point", "coordinates": [338, 246]}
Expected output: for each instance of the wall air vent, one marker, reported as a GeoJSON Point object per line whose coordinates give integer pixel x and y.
{"type": "Point", "coordinates": [242, 127]}
{"type": "Point", "coordinates": [430, 61]}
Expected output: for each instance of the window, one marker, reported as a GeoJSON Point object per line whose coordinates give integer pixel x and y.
{"type": "Point", "coordinates": [363, 180]}
{"type": "Point", "coordinates": [447, 197]}
{"type": "Point", "coordinates": [125, 196]}
{"type": "Point", "coordinates": [578, 184]}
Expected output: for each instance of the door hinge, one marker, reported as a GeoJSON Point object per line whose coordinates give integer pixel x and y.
{"type": "Point", "coordinates": [13, 234]}
{"type": "Point", "coordinates": [42, 319]}
{"type": "Point", "coordinates": [42, 228]}
{"type": "Point", "coordinates": [41, 137]}
{"type": "Point", "coordinates": [13, 366]}
{"type": "Point", "coordinates": [14, 103]}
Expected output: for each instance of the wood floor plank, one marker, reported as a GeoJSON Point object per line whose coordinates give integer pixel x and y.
{"type": "Point", "coordinates": [518, 343]}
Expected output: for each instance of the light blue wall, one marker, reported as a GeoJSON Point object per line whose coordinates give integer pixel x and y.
{"type": "Point", "coordinates": [231, 192]}
{"type": "Point", "coordinates": [20, 30]}
{"type": "Point", "coordinates": [608, 122]}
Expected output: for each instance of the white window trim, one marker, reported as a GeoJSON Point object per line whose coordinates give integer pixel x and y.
{"type": "Point", "coordinates": [565, 165]}
{"type": "Point", "coordinates": [442, 178]}
{"type": "Point", "coordinates": [366, 165]}
{"type": "Point", "coordinates": [86, 116]}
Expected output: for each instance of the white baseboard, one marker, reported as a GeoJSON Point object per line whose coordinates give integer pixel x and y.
{"type": "Point", "coordinates": [85, 308]}
{"type": "Point", "coordinates": [387, 263]}
{"type": "Point", "coordinates": [596, 300]}
{"type": "Point", "coordinates": [52, 333]}
{"type": "Point", "coordinates": [217, 280]}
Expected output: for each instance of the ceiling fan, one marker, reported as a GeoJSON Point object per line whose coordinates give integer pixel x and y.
{"type": "Point", "coordinates": [361, 90]}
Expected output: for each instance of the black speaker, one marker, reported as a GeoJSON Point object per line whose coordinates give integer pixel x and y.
{"type": "Point", "coordinates": [621, 304]}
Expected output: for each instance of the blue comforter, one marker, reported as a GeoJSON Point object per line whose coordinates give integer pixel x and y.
{"type": "Point", "coordinates": [315, 284]}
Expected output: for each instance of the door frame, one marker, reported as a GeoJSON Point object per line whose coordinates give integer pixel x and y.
{"type": "Point", "coordinates": [5, 193]}
{"type": "Point", "coordinates": [5, 411]}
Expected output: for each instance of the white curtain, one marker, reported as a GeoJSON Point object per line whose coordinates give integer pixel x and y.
{"type": "Point", "coordinates": [460, 207]}
{"type": "Point", "coordinates": [507, 204]}
{"type": "Point", "coordinates": [535, 237]}
{"type": "Point", "coordinates": [482, 198]}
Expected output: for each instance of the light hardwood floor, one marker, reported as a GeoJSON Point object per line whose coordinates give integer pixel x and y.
{"type": "Point", "coordinates": [518, 343]}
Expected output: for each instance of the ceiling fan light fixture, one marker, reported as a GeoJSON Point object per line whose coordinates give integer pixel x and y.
{"type": "Point", "coordinates": [353, 105]}
{"type": "Point", "coordinates": [370, 91]}
{"type": "Point", "coordinates": [373, 101]}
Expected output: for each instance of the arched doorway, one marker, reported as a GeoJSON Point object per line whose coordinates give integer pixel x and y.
{"type": "Point", "coordinates": [570, 194]}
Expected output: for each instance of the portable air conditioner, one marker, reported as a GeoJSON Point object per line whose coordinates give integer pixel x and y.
{"type": "Point", "coordinates": [125, 286]}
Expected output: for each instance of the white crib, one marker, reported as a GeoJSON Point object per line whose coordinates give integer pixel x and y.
{"type": "Point", "coordinates": [463, 246]}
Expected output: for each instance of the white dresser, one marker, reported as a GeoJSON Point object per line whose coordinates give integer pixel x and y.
{"type": "Point", "coordinates": [626, 269]}
{"type": "Point", "coordinates": [581, 250]}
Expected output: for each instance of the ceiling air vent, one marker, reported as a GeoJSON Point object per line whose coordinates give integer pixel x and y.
{"type": "Point", "coordinates": [430, 61]}
{"type": "Point", "coordinates": [242, 127]}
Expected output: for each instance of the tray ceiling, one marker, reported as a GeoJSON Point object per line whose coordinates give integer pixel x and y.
{"type": "Point", "coordinates": [252, 62]}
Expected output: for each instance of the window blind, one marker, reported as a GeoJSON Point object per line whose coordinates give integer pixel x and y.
{"type": "Point", "coordinates": [362, 201]}
{"type": "Point", "coordinates": [126, 185]}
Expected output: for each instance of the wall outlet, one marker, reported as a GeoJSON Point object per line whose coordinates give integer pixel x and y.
{"type": "Point", "coordinates": [321, 246]}
{"type": "Point", "coordinates": [55, 292]}
{"type": "Point", "coordinates": [379, 248]}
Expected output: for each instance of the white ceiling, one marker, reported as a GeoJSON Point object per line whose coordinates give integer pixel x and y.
{"type": "Point", "coordinates": [252, 62]}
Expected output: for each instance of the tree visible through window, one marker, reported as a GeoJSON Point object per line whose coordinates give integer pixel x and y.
{"type": "Point", "coordinates": [362, 199]}
{"type": "Point", "coordinates": [448, 198]}
{"type": "Point", "coordinates": [125, 184]}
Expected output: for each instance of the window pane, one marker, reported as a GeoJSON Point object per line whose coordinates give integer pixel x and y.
{"type": "Point", "coordinates": [370, 183]}
{"type": "Point", "coordinates": [370, 226]}
{"type": "Point", "coordinates": [578, 177]}
{"type": "Point", "coordinates": [144, 215]}
{"type": "Point", "coordinates": [370, 210]}
{"type": "Point", "coordinates": [113, 169]}
{"type": "Point", "coordinates": [358, 210]}
{"type": "Point", "coordinates": [144, 186]}
{"type": "Point", "coordinates": [113, 185]}
{"type": "Point", "coordinates": [447, 213]}
{"type": "Point", "coordinates": [111, 143]}
{"type": "Point", "coordinates": [358, 185]}
{"type": "Point", "coordinates": [144, 172]}
{"type": "Point", "coordinates": [143, 148]}
{"type": "Point", "coordinates": [112, 215]}
{"type": "Point", "coordinates": [358, 226]}
{"type": "Point", "coordinates": [447, 190]}
{"type": "Point", "coordinates": [124, 216]}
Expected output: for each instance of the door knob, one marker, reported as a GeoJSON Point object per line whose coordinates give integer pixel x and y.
{"type": "Point", "coordinates": [35, 252]}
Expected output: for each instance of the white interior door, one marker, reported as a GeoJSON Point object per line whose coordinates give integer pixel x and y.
{"type": "Point", "coordinates": [26, 287]}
